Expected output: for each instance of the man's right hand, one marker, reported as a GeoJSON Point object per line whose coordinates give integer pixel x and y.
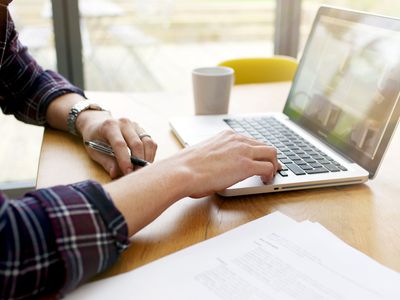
{"type": "Point", "coordinates": [224, 160]}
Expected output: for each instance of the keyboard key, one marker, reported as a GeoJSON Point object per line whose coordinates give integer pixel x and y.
{"type": "Point", "coordinates": [282, 149]}
{"type": "Point", "coordinates": [283, 173]}
{"type": "Point", "coordinates": [306, 167]}
{"type": "Point", "coordinates": [322, 153]}
{"type": "Point", "coordinates": [317, 157]}
{"type": "Point", "coordinates": [279, 145]}
{"type": "Point", "coordinates": [324, 162]}
{"type": "Point", "coordinates": [287, 151]}
{"type": "Point", "coordinates": [315, 165]}
{"type": "Point", "coordinates": [294, 149]}
{"type": "Point", "coordinates": [284, 168]}
{"type": "Point", "coordinates": [309, 160]}
{"type": "Point", "coordinates": [299, 152]}
{"type": "Point", "coordinates": [332, 168]}
{"type": "Point", "coordinates": [290, 144]}
{"type": "Point", "coordinates": [285, 161]}
{"type": "Point", "coordinates": [257, 136]}
{"type": "Point", "coordinates": [295, 169]}
{"type": "Point", "coordinates": [299, 162]}
{"type": "Point", "coordinates": [317, 171]}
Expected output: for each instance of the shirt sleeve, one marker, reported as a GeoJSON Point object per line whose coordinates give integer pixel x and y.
{"type": "Point", "coordinates": [54, 239]}
{"type": "Point", "coordinates": [27, 89]}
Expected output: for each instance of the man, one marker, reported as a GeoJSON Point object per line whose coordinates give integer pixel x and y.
{"type": "Point", "coordinates": [54, 239]}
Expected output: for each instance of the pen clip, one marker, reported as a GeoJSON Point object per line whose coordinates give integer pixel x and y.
{"type": "Point", "coordinates": [100, 146]}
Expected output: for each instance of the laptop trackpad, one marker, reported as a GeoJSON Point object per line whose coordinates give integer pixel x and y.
{"type": "Point", "coordinates": [194, 130]}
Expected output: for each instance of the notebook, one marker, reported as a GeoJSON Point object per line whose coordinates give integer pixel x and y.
{"type": "Point", "coordinates": [341, 112]}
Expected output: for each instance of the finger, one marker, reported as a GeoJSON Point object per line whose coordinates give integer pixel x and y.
{"type": "Point", "coordinates": [250, 140]}
{"type": "Point", "coordinates": [150, 148]}
{"type": "Point", "coordinates": [132, 139]}
{"type": "Point", "coordinates": [260, 150]}
{"type": "Point", "coordinates": [266, 153]}
{"type": "Point", "coordinates": [120, 148]}
{"type": "Point", "coordinates": [264, 169]}
{"type": "Point", "coordinates": [108, 163]}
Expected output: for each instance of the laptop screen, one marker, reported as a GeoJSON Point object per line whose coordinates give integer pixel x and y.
{"type": "Point", "coordinates": [346, 90]}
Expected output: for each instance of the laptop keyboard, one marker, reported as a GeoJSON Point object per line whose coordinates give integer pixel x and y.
{"type": "Point", "coordinates": [294, 153]}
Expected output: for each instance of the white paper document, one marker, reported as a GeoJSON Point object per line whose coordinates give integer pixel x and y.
{"type": "Point", "coordinates": [273, 257]}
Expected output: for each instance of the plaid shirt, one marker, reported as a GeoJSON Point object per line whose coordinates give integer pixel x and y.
{"type": "Point", "coordinates": [26, 90]}
{"type": "Point", "coordinates": [53, 239]}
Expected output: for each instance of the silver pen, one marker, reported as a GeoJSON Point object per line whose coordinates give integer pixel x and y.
{"type": "Point", "coordinates": [106, 149]}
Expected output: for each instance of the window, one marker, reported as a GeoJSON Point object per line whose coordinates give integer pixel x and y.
{"type": "Point", "coordinates": [34, 24]}
{"type": "Point", "coordinates": [150, 45]}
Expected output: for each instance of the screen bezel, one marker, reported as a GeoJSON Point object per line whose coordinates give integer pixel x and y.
{"type": "Point", "coordinates": [390, 23]}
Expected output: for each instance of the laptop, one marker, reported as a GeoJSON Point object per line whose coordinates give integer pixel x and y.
{"type": "Point", "coordinates": [341, 112]}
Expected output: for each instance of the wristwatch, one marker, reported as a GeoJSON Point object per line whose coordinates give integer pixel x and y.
{"type": "Point", "coordinates": [77, 109]}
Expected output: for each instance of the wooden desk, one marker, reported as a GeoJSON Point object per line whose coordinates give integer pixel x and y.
{"type": "Point", "coordinates": [365, 216]}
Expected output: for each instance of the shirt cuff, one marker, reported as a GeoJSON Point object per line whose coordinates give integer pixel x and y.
{"type": "Point", "coordinates": [56, 86]}
{"type": "Point", "coordinates": [90, 231]}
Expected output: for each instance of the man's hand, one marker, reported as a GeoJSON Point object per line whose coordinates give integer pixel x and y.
{"type": "Point", "coordinates": [225, 160]}
{"type": "Point", "coordinates": [123, 135]}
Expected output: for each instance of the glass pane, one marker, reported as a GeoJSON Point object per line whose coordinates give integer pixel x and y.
{"type": "Point", "coordinates": [150, 45]}
{"type": "Point", "coordinates": [34, 24]}
{"type": "Point", "coordinates": [310, 7]}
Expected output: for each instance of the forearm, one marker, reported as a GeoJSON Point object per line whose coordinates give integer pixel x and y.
{"type": "Point", "coordinates": [52, 233]}
{"type": "Point", "coordinates": [143, 195]}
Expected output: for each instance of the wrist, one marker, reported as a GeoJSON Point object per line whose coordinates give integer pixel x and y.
{"type": "Point", "coordinates": [180, 178]}
{"type": "Point", "coordinates": [180, 182]}
{"type": "Point", "coordinates": [76, 111]}
{"type": "Point", "coordinates": [174, 177]}
{"type": "Point", "coordinates": [143, 195]}
{"type": "Point", "coordinates": [88, 118]}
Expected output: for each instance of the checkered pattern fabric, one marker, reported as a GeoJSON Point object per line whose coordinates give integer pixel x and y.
{"type": "Point", "coordinates": [54, 239]}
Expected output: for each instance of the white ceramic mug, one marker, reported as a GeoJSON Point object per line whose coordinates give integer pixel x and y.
{"type": "Point", "coordinates": [212, 89]}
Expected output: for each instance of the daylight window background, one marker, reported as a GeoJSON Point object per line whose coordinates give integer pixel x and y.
{"type": "Point", "coordinates": [152, 45]}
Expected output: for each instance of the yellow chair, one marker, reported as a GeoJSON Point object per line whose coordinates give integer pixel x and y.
{"type": "Point", "coordinates": [262, 70]}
